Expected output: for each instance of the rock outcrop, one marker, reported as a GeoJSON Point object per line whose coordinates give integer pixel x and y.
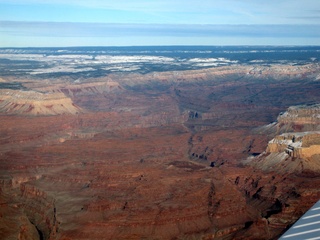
{"type": "Point", "coordinates": [300, 119]}
{"type": "Point", "coordinates": [299, 145]}
{"type": "Point", "coordinates": [36, 103]}
{"type": "Point", "coordinates": [291, 153]}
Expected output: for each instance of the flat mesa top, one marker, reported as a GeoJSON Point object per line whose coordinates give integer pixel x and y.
{"type": "Point", "coordinates": [307, 227]}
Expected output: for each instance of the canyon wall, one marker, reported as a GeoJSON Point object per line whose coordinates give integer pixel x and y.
{"type": "Point", "coordinates": [168, 155]}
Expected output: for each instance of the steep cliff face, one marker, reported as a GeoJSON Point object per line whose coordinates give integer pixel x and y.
{"type": "Point", "coordinates": [280, 198]}
{"type": "Point", "coordinates": [300, 144]}
{"type": "Point", "coordinates": [14, 224]}
{"type": "Point", "coordinates": [286, 174]}
{"type": "Point", "coordinates": [293, 152]}
{"type": "Point", "coordinates": [300, 119]}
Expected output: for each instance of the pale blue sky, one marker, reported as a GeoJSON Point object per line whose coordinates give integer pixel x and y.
{"type": "Point", "coordinates": [28, 23]}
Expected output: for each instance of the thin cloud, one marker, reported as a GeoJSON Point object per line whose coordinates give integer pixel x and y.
{"type": "Point", "coordinates": [124, 5]}
{"type": "Point", "coordinates": [250, 9]}
{"type": "Point", "coordinates": [162, 12]}
{"type": "Point", "coordinates": [67, 29]}
{"type": "Point", "coordinates": [306, 18]}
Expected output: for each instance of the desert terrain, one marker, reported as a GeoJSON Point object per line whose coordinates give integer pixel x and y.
{"type": "Point", "coordinates": [225, 152]}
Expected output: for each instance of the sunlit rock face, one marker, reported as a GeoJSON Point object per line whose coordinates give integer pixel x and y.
{"type": "Point", "coordinates": [35, 103]}
{"type": "Point", "coordinates": [193, 154]}
{"type": "Point", "coordinates": [293, 152]}
{"type": "Point", "coordinates": [300, 144]}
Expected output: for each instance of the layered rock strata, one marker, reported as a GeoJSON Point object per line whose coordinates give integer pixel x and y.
{"type": "Point", "coordinates": [36, 103]}
{"type": "Point", "coordinates": [158, 156]}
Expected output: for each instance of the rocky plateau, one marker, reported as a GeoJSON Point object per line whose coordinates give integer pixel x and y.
{"type": "Point", "coordinates": [230, 152]}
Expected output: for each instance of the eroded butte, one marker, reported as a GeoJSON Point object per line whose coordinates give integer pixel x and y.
{"type": "Point", "coordinates": [219, 153]}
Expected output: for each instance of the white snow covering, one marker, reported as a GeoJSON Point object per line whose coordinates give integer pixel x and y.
{"type": "Point", "coordinates": [69, 61]}
{"type": "Point", "coordinates": [61, 69]}
{"type": "Point", "coordinates": [134, 59]}
{"type": "Point", "coordinates": [212, 60]}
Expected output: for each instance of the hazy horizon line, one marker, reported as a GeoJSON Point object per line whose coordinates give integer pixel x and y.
{"type": "Point", "coordinates": [169, 45]}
